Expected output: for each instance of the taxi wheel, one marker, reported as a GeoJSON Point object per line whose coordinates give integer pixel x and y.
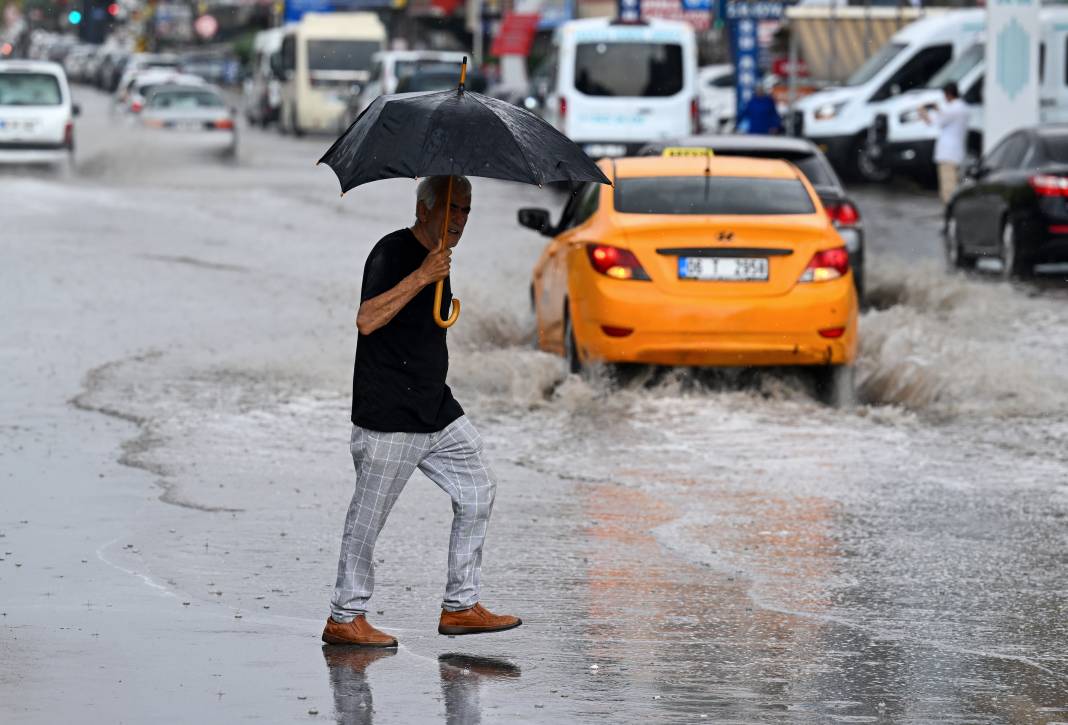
{"type": "Point", "coordinates": [571, 350]}
{"type": "Point", "coordinates": [836, 385]}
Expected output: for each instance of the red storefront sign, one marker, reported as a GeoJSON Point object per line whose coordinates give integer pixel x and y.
{"type": "Point", "coordinates": [516, 34]}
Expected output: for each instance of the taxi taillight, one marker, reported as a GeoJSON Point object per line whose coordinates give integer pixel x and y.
{"type": "Point", "coordinates": [615, 262]}
{"type": "Point", "coordinates": [826, 265]}
{"type": "Point", "coordinates": [224, 123]}
{"type": "Point", "coordinates": [695, 116]}
{"type": "Point", "coordinates": [68, 134]}
{"type": "Point", "coordinates": [136, 106]}
{"type": "Point", "coordinates": [843, 214]}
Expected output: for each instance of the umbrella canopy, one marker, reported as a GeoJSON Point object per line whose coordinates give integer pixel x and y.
{"type": "Point", "coordinates": [458, 133]}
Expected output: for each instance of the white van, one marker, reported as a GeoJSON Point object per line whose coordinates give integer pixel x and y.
{"type": "Point", "coordinates": [612, 87]}
{"type": "Point", "coordinates": [36, 113]}
{"type": "Point", "coordinates": [262, 91]}
{"type": "Point", "coordinates": [837, 119]}
{"type": "Point", "coordinates": [390, 66]}
{"type": "Point", "coordinates": [322, 57]}
{"type": "Point", "coordinates": [902, 142]}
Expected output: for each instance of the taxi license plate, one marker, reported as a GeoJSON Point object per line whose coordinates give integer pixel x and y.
{"type": "Point", "coordinates": [187, 125]}
{"type": "Point", "coordinates": [724, 269]}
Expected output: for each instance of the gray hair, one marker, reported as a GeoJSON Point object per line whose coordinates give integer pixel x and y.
{"type": "Point", "coordinates": [429, 187]}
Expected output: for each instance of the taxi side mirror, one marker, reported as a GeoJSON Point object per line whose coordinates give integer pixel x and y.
{"type": "Point", "coordinates": [536, 219]}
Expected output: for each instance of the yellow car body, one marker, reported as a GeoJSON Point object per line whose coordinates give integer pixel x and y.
{"type": "Point", "coordinates": [669, 320]}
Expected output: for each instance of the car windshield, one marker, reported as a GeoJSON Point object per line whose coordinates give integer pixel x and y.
{"type": "Point", "coordinates": [29, 89]}
{"type": "Point", "coordinates": [962, 66]}
{"type": "Point", "coordinates": [711, 195]}
{"type": "Point", "coordinates": [628, 69]}
{"type": "Point", "coordinates": [185, 100]}
{"type": "Point", "coordinates": [341, 54]}
{"type": "Point", "coordinates": [874, 64]}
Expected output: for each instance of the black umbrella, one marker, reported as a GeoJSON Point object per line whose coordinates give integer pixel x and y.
{"type": "Point", "coordinates": [454, 133]}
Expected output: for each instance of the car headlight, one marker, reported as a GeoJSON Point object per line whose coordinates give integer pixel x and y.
{"type": "Point", "coordinates": [829, 110]}
{"type": "Point", "coordinates": [909, 116]}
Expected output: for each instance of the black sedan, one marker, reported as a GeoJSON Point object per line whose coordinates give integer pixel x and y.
{"type": "Point", "coordinates": [1013, 204]}
{"type": "Point", "coordinates": [812, 163]}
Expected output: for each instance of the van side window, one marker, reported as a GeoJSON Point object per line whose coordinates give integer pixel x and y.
{"type": "Point", "coordinates": [1066, 60]}
{"type": "Point", "coordinates": [916, 71]}
{"type": "Point", "coordinates": [1041, 63]}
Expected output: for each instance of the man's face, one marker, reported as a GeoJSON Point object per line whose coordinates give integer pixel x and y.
{"type": "Point", "coordinates": [459, 208]}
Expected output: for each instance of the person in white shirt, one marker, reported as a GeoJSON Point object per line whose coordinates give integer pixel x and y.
{"type": "Point", "coordinates": [952, 122]}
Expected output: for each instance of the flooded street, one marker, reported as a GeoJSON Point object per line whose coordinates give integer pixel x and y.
{"type": "Point", "coordinates": [683, 546]}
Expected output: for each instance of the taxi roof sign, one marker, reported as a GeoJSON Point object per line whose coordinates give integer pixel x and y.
{"type": "Point", "coordinates": [676, 151]}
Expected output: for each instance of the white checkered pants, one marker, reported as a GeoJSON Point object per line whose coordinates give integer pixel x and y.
{"type": "Point", "coordinates": [453, 459]}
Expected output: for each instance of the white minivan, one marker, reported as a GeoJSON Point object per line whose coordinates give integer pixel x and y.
{"type": "Point", "coordinates": [36, 113]}
{"type": "Point", "coordinates": [322, 57]}
{"type": "Point", "coordinates": [837, 119]}
{"type": "Point", "coordinates": [901, 141]}
{"type": "Point", "coordinates": [613, 86]}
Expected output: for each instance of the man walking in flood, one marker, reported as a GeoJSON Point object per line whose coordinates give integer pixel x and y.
{"type": "Point", "coordinates": [404, 417]}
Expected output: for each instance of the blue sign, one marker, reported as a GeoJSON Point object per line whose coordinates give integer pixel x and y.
{"type": "Point", "coordinates": [703, 5]}
{"type": "Point", "coordinates": [746, 50]}
{"type": "Point", "coordinates": [295, 9]}
{"type": "Point", "coordinates": [756, 10]}
{"type": "Point", "coordinates": [630, 11]}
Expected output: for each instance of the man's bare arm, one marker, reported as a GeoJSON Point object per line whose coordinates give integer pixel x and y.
{"type": "Point", "coordinates": [378, 311]}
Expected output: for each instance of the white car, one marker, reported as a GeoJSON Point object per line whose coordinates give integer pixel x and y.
{"type": "Point", "coordinates": [390, 67]}
{"type": "Point", "coordinates": [140, 62]}
{"type": "Point", "coordinates": [131, 98]}
{"type": "Point", "coordinates": [716, 97]}
{"type": "Point", "coordinates": [36, 113]}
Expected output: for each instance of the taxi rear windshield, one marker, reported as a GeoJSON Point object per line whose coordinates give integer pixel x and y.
{"type": "Point", "coordinates": [29, 89]}
{"type": "Point", "coordinates": [711, 195]}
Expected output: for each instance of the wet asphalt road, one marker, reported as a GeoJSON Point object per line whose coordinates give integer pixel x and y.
{"type": "Point", "coordinates": [709, 547]}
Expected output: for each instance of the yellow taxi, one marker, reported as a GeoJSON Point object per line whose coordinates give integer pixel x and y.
{"type": "Point", "coordinates": [700, 261]}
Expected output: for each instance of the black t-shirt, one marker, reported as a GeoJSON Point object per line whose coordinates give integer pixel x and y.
{"type": "Point", "coordinates": [398, 384]}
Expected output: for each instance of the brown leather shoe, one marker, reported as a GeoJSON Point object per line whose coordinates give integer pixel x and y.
{"type": "Point", "coordinates": [475, 620]}
{"type": "Point", "coordinates": [359, 632]}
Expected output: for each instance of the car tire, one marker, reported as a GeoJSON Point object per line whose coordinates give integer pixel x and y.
{"type": "Point", "coordinates": [836, 385]}
{"type": "Point", "coordinates": [955, 256]}
{"type": "Point", "coordinates": [1012, 265]}
{"type": "Point", "coordinates": [866, 168]}
{"type": "Point", "coordinates": [571, 349]}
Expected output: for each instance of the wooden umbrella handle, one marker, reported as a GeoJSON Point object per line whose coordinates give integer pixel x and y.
{"type": "Point", "coordinates": [439, 288]}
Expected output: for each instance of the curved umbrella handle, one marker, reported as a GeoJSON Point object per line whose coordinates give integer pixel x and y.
{"type": "Point", "coordinates": [454, 314]}
{"type": "Point", "coordinates": [439, 288]}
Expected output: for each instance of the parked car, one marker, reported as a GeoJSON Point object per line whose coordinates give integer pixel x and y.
{"type": "Point", "coordinates": [1013, 204]}
{"type": "Point", "coordinates": [840, 207]}
{"type": "Point", "coordinates": [197, 112]}
{"type": "Point", "coordinates": [716, 97]}
{"type": "Point", "coordinates": [697, 261]}
{"type": "Point", "coordinates": [36, 113]}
